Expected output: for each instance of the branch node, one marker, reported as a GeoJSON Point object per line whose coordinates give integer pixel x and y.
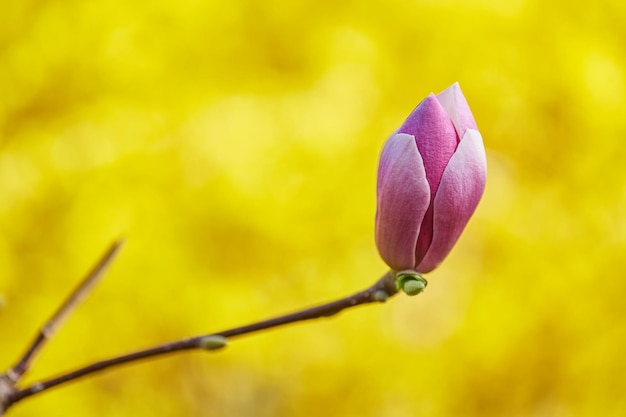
{"type": "Point", "coordinates": [381, 296]}
{"type": "Point", "coordinates": [212, 342]}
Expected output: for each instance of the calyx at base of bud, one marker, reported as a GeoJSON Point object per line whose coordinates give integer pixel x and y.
{"type": "Point", "coordinates": [411, 282]}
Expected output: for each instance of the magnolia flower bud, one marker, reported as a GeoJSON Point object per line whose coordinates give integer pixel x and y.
{"type": "Point", "coordinates": [431, 177]}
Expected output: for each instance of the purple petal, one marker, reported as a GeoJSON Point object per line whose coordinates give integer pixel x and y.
{"type": "Point", "coordinates": [435, 137]}
{"type": "Point", "coordinates": [461, 187]}
{"type": "Point", "coordinates": [436, 140]}
{"type": "Point", "coordinates": [384, 160]}
{"type": "Point", "coordinates": [453, 101]}
{"type": "Point", "coordinates": [402, 199]}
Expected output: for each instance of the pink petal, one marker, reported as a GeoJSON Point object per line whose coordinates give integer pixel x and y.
{"type": "Point", "coordinates": [436, 140]}
{"type": "Point", "coordinates": [435, 137]}
{"type": "Point", "coordinates": [385, 160]}
{"type": "Point", "coordinates": [453, 101]}
{"type": "Point", "coordinates": [403, 197]}
{"type": "Point", "coordinates": [461, 187]}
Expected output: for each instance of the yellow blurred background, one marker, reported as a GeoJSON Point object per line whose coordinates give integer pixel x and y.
{"type": "Point", "coordinates": [235, 145]}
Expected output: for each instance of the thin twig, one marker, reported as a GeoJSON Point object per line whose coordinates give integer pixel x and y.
{"type": "Point", "coordinates": [59, 317]}
{"type": "Point", "coordinates": [379, 292]}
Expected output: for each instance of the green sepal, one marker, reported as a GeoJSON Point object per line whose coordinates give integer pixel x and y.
{"type": "Point", "coordinates": [411, 282]}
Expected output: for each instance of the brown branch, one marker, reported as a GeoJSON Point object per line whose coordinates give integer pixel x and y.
{"type": "Point", "coordinates": [58, 318]}
{"type": "Point", "coordinates": [379, 292]}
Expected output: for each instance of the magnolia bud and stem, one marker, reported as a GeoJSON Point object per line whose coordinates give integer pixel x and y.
{"type": "Point", "coordinates": [10, 393]}
{"type": "Point", "coordinates": [431, 177]}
